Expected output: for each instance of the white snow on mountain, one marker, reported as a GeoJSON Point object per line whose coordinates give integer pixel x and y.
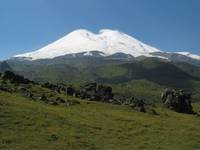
{"type": "Point", "coordinates": [188, 54]}
{"type": "Point", "coordinates": [107, 41]}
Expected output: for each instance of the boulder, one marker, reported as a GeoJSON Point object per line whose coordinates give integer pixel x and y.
{"type": "Point", "coordinates": [91, 87]}
{"type": "Point", "coordinates": [105, 92]}
{"type": "Point", "coordinates": [43, 98]}
{"type": "Point", "coordinates": [119, 99]}
{"type": "Point", "coordinates": [95, 92]}
{"type": "Point", "coordinates": [139, 105]}
{"type": "Point", "coordinates": [53, 87]}
{"type": "Point", "coordinates": [178, 100]}
{"type": "Point", "coordinates": [70, 91]}
{"type": "Point", "coordinates": [29, 95]}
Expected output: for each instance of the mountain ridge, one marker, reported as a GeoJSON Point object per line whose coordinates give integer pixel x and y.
{"type": "Point", "coordinates": [107, 42]}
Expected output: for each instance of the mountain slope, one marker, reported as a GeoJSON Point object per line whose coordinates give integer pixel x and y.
{"type": "Point", "coordinates": [4, 66]}
{"type": "Point", "coordinates": [26, 124]}
{"type": "Point", "coordinates": [163, 73]}
{"type": "Point", "coordinates": [118, 73]}
{"type": "Point", "coordinates": [110, 57]}
{"type": "Point", "coordinates": [107, 71]}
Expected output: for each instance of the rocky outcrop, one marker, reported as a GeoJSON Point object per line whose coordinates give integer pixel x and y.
{"type": "Point", "coordinates": [70, 91]}
{"type": "Point", "coordinates": [178, 100]}
{"type": "Point", "coordinates": [95, 92]}
{"type": "Point", "coordinates": [139, 105]}
{"type": "Point", "coordinates": [12, 77]}
{"type": "Point", "coordinates": [56, 88]}
{"type": "Point", "coordinates": [13, 83]}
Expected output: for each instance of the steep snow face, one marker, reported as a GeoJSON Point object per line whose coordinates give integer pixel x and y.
{"type": "Point", "coordinates": [188, 54]}
{"type": "Point", "coordinates": [106, 41]}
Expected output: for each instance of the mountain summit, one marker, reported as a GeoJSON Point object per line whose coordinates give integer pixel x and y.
{"type": "Point", "coordinates": [107, 42]}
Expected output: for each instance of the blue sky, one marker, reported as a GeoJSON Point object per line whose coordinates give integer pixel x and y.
{"type": "Point", "coordinates": [170, 25]}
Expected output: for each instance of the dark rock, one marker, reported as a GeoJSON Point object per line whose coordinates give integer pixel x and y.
{"type": "Point", "coordinates": [139, 105]}
{"type": "Point", "coordinates": [12, 77]}
{"type": "Point", "coordinates": [70, 91]}
{"type": "Point", "coordinates": [91, 87]}
{"type": "Point", "coordinates": [29, 95]}
{"type": "Point", "coordinates": [130, 101]}
{"type": "Point", "coordinates": [88, 91]}
{"type": "Point", "coordinates": [178, 100]}
{"type": "Point", "coordinates": [105, 92]}
{"type": "Point", "coordinates": [53, 87]}
{"type": "Point", "coordinates": [43, 98]}
{"type": "Point", "coordinates": [95, 92]}
{"type": "Point", "coordinates": [118, 99]}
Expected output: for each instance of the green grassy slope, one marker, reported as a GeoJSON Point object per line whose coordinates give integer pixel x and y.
{"type": "Point", "coordinates": [145, 78]}
{"type": "Point", "coordinates": [31, 125]}
{"type": "Point", "coordinates": [144, 89]}
{"type": "Point", "coordinates": [163, 73]}
{"type": "Point", "coordinates": [190, 69]}
{"type": "Point", "coordinates": [108, 71]}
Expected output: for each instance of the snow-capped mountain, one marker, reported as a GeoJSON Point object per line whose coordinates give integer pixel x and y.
{"type": "Point", "coordinates": [188, 54]}
{"type": "Point", "coordinates": [106, 42]}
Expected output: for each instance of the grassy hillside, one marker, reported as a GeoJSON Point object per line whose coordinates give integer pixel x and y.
{"type": "Point", "coordinates": [163, 73]}
{"type": "Point", "coordinates": [147, 90]}
{"type": "Point", "coordinates": [196, 87]}
{"type": "Point", "coordinates": [26, 124]}
{"type": "Point", "coordinates": [145, 78]}
{"type": "Point", "coordinates": [190, 69]}
{"type": "Point", "coordinates": [151, 91]}
{"type": "Point", "coordinates": [109, 71]}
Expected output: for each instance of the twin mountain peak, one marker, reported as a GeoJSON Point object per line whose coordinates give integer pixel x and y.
{"type": "Point", "coordinates": [106, 43]}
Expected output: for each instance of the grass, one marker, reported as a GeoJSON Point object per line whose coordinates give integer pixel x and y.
{"type": "Point", "coordinates": [30, 125]}
{"type": "Point", "coordinates": [196, 87]}
{"type": "Point", "coordinates": [112, 71]}
{"type": "Point", "coordinates": [144, 89]}
{"type": "Point", "coordinates": [116, 73]}
{"type": "Point", "coordinates": [150, 91]}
